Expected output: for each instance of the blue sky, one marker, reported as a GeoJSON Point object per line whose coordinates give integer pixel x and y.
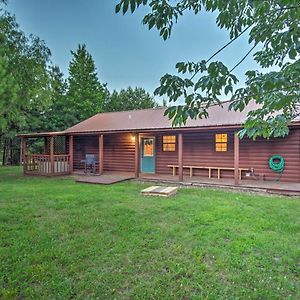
{"type": "Point", "coordinates": [126, 53]}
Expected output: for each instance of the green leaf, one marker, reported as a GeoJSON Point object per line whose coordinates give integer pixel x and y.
{"type": "Point", "coordinates": [125, 6]}
{"type": "Point", "coordinates": [118, 8]}
{"type": "Point", "coordinates": [292, 53]}
{"type": "Point", "coordinates": [132, 5]}
{"type": "Point", "coordinates": [228, 89]}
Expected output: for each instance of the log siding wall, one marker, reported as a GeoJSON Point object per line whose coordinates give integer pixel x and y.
{"type": "Point", "coordinates": [198, 150]}
{"type": "Point", "coordinates": [256, 154]}
{"type": "Point", "coordinates": [119, 150]}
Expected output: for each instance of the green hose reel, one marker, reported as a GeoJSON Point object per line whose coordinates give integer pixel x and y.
{"type": "Point", "coordinates": [276, 163]}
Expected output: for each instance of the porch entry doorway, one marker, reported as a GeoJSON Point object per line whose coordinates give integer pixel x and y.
{"type": "Point", "coordinates": [148, 155]}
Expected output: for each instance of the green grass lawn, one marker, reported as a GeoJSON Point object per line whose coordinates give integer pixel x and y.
{"type": "Point", "coordinates": [62, 240]}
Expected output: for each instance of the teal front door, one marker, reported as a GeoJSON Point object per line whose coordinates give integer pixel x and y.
{"type": "Point", "coordinates": [148, 155]}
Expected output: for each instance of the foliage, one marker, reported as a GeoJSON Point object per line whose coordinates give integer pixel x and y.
{"type": "Point", "coordinates": [8, 95]}
{"type": "Point", "coordinates": [61, 240]}
{"type": "Point", "coordinates": [129, 99]}
{"type": "Point", "coordinates": [24, 85]}
{"type": "Point", "coordinates": [273, 27]}
{"type": "Point", "coordinates": [86, 94]}
{"type": "Point", "coordinates": [54, 116]}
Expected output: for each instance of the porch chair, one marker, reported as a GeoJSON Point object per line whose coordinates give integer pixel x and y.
{"type": "Point", "coordinates": [90, 163]}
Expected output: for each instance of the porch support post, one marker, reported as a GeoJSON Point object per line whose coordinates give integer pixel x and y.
{"type": "Point", "coordinates": [101, 153]}
{"type": "Point", "coordinates": [137, 155]}
{"type": "Point", "coordinates": [52, 154]}
{"type": "Point", "coordinates": [180, 157]}
{"type": "Point", "coordinates": [236, 158]}
{"type": "Point", "coordinates": [71, 153]}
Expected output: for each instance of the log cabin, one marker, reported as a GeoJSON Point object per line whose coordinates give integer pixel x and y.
{"type": "Point", "coordinates": [144, 142]}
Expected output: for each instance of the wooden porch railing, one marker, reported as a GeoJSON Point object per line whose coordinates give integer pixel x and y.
{"type": "Point", "coordinates": [41, 164]}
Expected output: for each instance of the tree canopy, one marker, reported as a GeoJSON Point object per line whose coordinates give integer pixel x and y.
{"type": "Point", "coordinates": [129, 99]}
{"type": "Point", "coordinates": [35, 95]}
{"type": "Point", "coordinates": [86, 95]}
{"type": "Point", "coordinates": [273, 28]}
{"type": "Point", "coordinates": [24, 73]}
{"type": "Point", "coordinates": [54, 117]}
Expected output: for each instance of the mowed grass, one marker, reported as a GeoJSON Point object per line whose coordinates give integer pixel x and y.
{"type": "Point", "coordinates": [62, 240]}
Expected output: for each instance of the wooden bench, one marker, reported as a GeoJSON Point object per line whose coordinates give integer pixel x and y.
{"type": "Point", "coordinates": [191, 168]}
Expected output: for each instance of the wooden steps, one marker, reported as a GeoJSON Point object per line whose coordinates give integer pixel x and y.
{"type": "Point", "coordinates": [156, 190]}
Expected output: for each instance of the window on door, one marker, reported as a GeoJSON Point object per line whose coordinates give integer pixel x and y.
{"type": "Point", "coordinates": [148, 147]}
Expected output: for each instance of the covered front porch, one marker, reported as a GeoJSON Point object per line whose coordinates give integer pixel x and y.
{"type": "Point", "coordinates": [175, 156]}
{"type": "Point", "coordinates": [47, 154]}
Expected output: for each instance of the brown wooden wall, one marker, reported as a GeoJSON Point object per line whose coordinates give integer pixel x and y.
{"type": "Point", "coordinates": [119, 152]}
{"type": "Point", "coordinates": [198, 150]}
{"type": "Point", "coordinates": [256, 154]}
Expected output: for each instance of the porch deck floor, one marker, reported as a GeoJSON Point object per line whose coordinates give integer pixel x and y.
{"type": "Point", "coordinates": [257, 185]}
{"type": "Point", "coordinates": [107, 178]}
{"type": "Point", "coordinates": [277, 187]}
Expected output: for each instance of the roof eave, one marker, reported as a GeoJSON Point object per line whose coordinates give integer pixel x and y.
{"type": "Point", "coordinates": [136, 130]}
{"type": "Point", "coordinates": [162, 129]}
{"type": "Point", "coordinates": [41, 134]}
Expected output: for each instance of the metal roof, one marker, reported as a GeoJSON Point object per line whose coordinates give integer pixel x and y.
{"type": "Point", "coordinates": [153, 118]}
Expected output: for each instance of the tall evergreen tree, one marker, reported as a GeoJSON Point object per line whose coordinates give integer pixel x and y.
{"type": "Point", "coordinates": [54, 117]}
{"type": "Point", "coordinates": [86, 94]}
{"type": "Point", "coordinates": [129, 99]}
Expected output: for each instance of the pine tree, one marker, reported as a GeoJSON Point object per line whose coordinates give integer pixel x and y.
{"type": "Point", "coordinates": [86, 94]}
{"type": "Point", "coordinates": [54, 117]}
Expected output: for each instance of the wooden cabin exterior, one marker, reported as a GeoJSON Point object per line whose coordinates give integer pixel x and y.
{"type": "Point", "coordinates": [144, 141]}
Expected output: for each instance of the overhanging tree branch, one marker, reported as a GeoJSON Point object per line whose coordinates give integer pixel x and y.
{"type": "Point", "coordinates": [222, 48]}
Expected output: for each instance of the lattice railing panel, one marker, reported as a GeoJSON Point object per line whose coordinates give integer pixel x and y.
{"type": "Point", "coordinates": [60, 145]}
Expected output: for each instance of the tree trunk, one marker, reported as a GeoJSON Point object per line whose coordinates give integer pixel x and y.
{"type": "Point", "coordinates": [11, 152]}
{"type": "Point", "coordinates": [4, 153]}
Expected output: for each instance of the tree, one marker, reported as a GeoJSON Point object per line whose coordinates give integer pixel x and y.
{"type": "Point", "coordinates": [24, 82]}
{"type": "Point", "coordinates": [24, 63]}
{"type": "Point", "coordinates": [86, 94]}
{"type": "Point", "coordinates": [54, 117]}
{"type": "Point", "coordinates": [8, 94]}
{"type": "Point", "coordinates": [273, 27]}
{"type": "Point", "coordinates": [129, 99]}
